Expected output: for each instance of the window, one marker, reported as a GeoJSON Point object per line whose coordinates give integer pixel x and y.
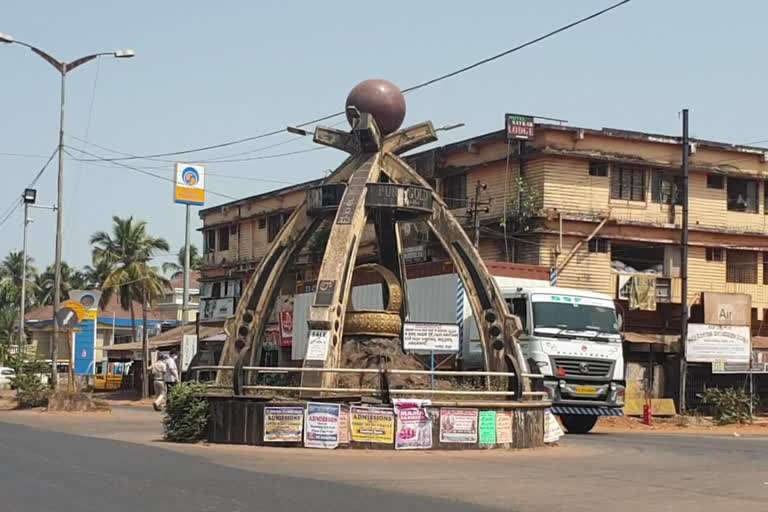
{"type": "Point", "coordinates": [667, 187]}
{"type": "Point", "coordinates": [598, 245]}
{"type": "Point", "coordinates": [628, 182]}
{"type": "Point", "coordinates": [765, 267]}
{"type": "Point", "coordinates": [741, 266]}
{"type": "Point", "coordinates": [520, 308]}
{"type": "Point", "coordinates": [224, 239]}
{"type": "Point", "coordinates": [715, 254]}
{"type": "Point", "coordinates": [742, 195]}
{"type": "Point", "coordinates": [455, 191]}
{"type": "Point", "coordinates": [598, 168]}
{"type": "Point", "coordinates": [210, 241]}
{"type": "Point", "coordinates": [274, 223]}
{"type": "Point", "coordinates": [262, 223]}
{"type": "Point", "coordinates": [233, 229]}
{"type": "Point", "coordinates": [216, 290]}
{"type": "Point", "coordinates": [715, 181]}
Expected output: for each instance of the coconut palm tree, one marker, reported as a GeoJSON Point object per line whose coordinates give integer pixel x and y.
{"type": "Point", "coordinates": [129, 248]}
{"type": "Point", "coordinates": [96, 275]}
{"type": "Point", "coordinates": [71, 279]}
{"type": "Point", "coordinates": [176, 268]}
{"type": "Point", "coordinates": [12, 271]}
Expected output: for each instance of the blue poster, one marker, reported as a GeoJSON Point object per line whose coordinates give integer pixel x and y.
{"type": "Point", "coordinates": [85, 342]}
{"type": "Point", "coordinates": [322, 427]}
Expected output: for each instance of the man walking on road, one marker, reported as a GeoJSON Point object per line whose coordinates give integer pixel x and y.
{"type": "Point", "coordinates": [171, 371]}
{"type": "Point", "coordinates": [157, 370]}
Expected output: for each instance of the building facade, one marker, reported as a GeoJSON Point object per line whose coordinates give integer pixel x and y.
{"type": "Point", "coordinates": [602, 207]}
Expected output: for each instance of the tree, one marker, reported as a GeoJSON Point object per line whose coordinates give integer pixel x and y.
{"type": "Point", "coordinates": [129, 248]}
{"type": "Point", "coordinates": [71, 279]}
{"type": "Point", "coordinates": [8, 323]}
{"type": "Point", "coordinates": [96, 275]}
{"type": "Point", "coordinates": [176, 268]}
{"type": "Point", "coordinates": [12, 271]}
{"type": "Point", "coordinates": [523, 208]}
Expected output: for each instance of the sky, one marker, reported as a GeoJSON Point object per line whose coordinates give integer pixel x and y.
{"type": "Point", "coordinates": [212, 72]}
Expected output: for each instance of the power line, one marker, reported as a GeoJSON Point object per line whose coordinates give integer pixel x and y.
{"type": "Point", "coordinates": [407, 90]}
{"type": "Point", "coordinates": [142, 171]}
{"type": "Point", "coordinates": [516, 48]}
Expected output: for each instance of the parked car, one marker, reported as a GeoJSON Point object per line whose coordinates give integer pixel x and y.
{"type": "Point", "coordinates": [6, 376]}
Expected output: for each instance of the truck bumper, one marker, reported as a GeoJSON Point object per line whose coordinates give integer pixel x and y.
{"type": "Point", "coordinates": [598, 399]}
{"type": "Point", "coordinates": [589, 411]}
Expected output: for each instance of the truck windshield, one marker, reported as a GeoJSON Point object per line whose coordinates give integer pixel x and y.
{"type": "Point", "coordinates": [576, 317]}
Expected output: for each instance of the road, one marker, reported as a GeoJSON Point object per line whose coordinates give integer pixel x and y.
{"type": "Point", "coordinates": [114, 462]}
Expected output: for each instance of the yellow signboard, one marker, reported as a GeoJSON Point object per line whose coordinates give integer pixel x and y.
{"type": "Point", "coordinates": [372, 424]}
{"type": "Point", "coordinates": [76, 307]}
{"type": "Point", "coordinates": [189, 184]}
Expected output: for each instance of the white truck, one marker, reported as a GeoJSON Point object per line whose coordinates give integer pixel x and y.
{"type": "Point", "coordinates": [572, 338]}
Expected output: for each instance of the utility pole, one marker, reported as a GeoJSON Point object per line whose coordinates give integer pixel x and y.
{"type": "Point", "coordinates": [475, 207]}
{"type": "Point", "coordinates": [684, 267]}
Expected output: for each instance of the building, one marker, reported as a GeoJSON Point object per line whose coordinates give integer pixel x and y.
{"type": "Point", "coordinates": [602, 207]}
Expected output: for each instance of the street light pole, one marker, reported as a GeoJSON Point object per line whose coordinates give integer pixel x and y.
{"type": "Point", "coordinates": [29, 198]}
{"type": "Point", "coordinates": [23, 278]}
{"type": "Point", "coordinates": [63, 68]}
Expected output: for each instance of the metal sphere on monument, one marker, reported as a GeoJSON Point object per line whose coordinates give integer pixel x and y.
{"type": "Point", "coordinates": [380, 98]}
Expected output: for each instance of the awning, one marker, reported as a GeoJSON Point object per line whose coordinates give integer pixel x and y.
{"type": "Point", "coordinates": [653, 339]}
{"type": "Point", "coordinates": [132, 347]}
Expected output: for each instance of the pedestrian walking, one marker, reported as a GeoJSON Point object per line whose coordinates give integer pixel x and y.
{"type": "Point", "coordinates": [171, 371]}
{"type": "Point", "coordinates": [157, 371]}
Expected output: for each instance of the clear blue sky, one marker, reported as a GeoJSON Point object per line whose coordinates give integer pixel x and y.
{"type": "Point", "coordinates": [208, 72]}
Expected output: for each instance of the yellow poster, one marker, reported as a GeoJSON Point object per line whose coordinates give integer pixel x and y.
{"type": "Point", "coordinates": [372, 424]}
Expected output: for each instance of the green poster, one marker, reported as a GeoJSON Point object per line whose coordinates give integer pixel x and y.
{"type": "Point", "coordinates": [487, 427]}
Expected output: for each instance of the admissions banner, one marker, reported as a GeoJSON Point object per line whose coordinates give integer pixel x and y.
{"type": "Point", "coordinates": [372, 424]}
{"type": "Point", "coordinates": [283, 424]}
{"type": "Point", "coordinates": [322, 425]}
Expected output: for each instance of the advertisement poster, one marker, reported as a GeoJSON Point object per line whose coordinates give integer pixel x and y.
{"type": "Point", "coordinates": [322, 425]}
{"type": "Point", "coordinates": [344, 426]}
{"type": "Point", "coordinates": [283, 424]}
{"type": "Point", "coordinates": [504, 427]}
{"type": "Point", "coordinates": [414, 428]}
{"type": "Point", "coordinates": [317, 345]}
{"type": "Point", "coordinates": [552, 430]}
{"type": "Point", "coordinates": [286, 322]}
{"type": "Point", "coordinates": [458, 425]}
{"type": "Point", "coordinates": [372, 424]}
{"type": "Point", "coordinates": [487, 427]}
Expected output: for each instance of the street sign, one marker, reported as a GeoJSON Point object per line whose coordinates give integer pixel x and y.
{"type": "Point", "coordinates": [189, 184]}
{"type": "Point", "coordinates": [69, 315]}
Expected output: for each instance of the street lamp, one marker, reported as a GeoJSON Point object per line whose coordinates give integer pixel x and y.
{"type": "Point", "coordinates": [63, 68]}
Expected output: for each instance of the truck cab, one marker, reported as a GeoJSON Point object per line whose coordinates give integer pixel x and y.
{"type": "Point", "coordinates": [572, 338]}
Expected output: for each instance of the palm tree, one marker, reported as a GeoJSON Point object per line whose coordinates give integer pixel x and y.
{"type": "Point", "coordinates": [96, 275]}
{"type": "Point", "coordinates": [129, 248]}
{"type": "Point", "coordinates": [12, 271]}
{"type": "Point", "coordinates": [71, 279]}
{"type": "Point", "coordinates": [7, 326]}
{"type": "Point", "coordinates": [176, 268]}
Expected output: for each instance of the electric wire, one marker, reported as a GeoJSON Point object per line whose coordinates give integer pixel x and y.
{"type": "Point", "coordinates": [405, 91]}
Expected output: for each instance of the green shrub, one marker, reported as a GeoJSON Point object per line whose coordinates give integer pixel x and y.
{"type": "Point", "coordinates": [728, 405]}
{"type": "Point", "coordinates": [186, 415]}
{"type": "Point", "coordinates": [31, 390]}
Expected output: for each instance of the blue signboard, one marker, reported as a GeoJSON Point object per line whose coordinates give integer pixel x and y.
{"type": "Point", "coordinates": [85, 342]}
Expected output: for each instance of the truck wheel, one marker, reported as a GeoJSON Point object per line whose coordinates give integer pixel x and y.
{"type": "Point", "coordinates": [578, 423]}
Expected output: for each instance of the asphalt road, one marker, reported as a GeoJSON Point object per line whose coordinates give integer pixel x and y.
{"type": "Point", "coordinates": [83, 463]}
{"type": "Point", "coordinates": [51, 471]}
